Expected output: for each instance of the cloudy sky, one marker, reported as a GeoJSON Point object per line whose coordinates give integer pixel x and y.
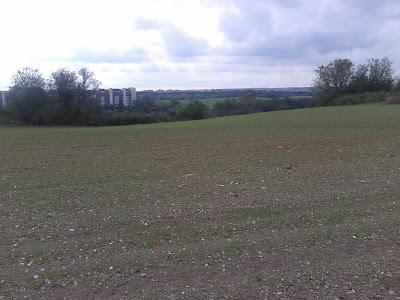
{"type": "Point", "coordinates": [195, 43]}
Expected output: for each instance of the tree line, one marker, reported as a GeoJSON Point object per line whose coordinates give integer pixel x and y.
{"type": "Point", "coordinates": [66, 98]}
{"type": "Point", "coordinates": [224, 93]}
{"type": "Point", "coordinates": [63, 99]}
{"type": "Point", "coordinates": [343, 77]}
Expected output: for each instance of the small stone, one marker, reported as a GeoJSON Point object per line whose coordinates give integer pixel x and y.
{"type": "Point", "coordinates": [391, 292]}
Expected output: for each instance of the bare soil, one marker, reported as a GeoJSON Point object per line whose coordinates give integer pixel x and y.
{"type": "Point", "coordinates": [286, 205]}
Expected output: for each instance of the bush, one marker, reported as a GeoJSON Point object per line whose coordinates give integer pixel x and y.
{"type": "Point", "coordinates": [5, 117]}
{"type": "Point", "coordinates": [352, 99]}
{"type": "Point", "coordinates": [341, 77]}
{"type": "Point", "coordinates": [396, 87]}
{"type": "Point", "coordinates": [229, 107]}
{"type": "Point", "coordinates": [238, 107]}
{"type": "Point", "coordinates": [28, 105]}
{"type": "Point", "coordinates": [193, 111]}
{"type": "Point", "coordinates": [393, 99]}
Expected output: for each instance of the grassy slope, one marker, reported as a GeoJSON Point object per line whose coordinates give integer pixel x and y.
{"type": "Point", "coordinates": [75, 201]}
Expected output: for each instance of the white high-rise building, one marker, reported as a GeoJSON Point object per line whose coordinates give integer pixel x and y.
{"type": "Point", "coordinates": [133, 93]}
{"type": "Point", "coordinates": [116, 97]}
{"type": "Point", "coordinates": [126, 97]}
{"type": "Point", "coordinates": [111, 97]}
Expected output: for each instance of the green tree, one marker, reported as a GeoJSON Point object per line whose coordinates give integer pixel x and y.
{"type": "Point", "coordinates": [360, 80]}
{"type": "Point", "coordinates": [74, 96]}
{"type": "Point", "coordinates": [335, 77]}
{"type": "Point", "coordinates": [396, 86]}
{"type": "Point", "coordinates": [142, 105]}
{"type": "Point", "coordinates": [64, 84]}
{"type": "Point", "coordinates": [27, 97]}
{"type": "Point", "coordinates": [381, 74]}
{"type": "Point", "coordinates": [195, 110]}
{"type": "Point", "coordinates": [87, 81]}
{"type": "Point", "coordinates": [248, 98]}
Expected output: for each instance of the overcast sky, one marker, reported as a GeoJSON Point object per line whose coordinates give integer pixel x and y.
{"type": "Point", "coordinates": [195, 43]}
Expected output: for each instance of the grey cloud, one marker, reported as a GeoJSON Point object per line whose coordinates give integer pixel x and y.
{"type": "Point", "coordinates": [238, 25]}
{"type": "Point", "coordinates": [293, 29]}
{"type": "Point", "coordinates": [178, 44]}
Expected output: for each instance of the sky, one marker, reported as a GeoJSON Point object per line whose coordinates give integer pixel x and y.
{"type": "Point", "coordinates": [195, 44]}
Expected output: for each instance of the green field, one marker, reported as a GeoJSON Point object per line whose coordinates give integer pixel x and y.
{"type": "Point", "coordinates": [300, 204]}
{"type": "Point", "coordinates": [210, 102]}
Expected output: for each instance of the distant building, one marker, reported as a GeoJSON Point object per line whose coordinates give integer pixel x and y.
{"type": "Point", "coordinates": [102, 96]}
{"type": "Point", "coordinates": [116, 97]}
{"type": "Point", "coordinates": [106, 97]}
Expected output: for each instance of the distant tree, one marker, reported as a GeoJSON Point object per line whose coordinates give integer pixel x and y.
{"type": "Point", "coordinates": [157, 106]}
{"type": "Point", "coordinates": [27, 96]}
{"type": "Point", "coordinates": [396, 86]}
{"type": "Point", "coordinates": [74, 95]}
{"type": "Point", "coordinates": [228, 107]}
{"type": "Point", "coordinates": [87, 84]}
{"type": "Point", "coordinates": [168, 107]}
{"type": "Point", "coordinates": [28, 78]}
{"type": "Point", "coordinates": [248, 98]}
{"type": "Point", "coordinates": [195, 110]}
{"type": "Point", "coordinates": [360, 79]}
{"type": "Point", "coordinates": [381, 74]}
{"type": "Point", "coordinates": [335, 77]}
{"type": "Point", "coordinates": [144, 104]}
{"type": "Point", "coordinates": [88, 105]}
{"type": "Point", "coordinates": [87, 80]}
{"type": "Point", "coordinates": [64, 83]}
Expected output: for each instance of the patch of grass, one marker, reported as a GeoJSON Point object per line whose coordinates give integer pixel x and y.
{"type": "Point", "coordinates": [338, 217]}
{"type": "Point", "coordinates": [148, 244]}
{"type": "Point", "coordinates": [233, 250]}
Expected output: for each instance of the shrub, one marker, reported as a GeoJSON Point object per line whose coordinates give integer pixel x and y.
{"type": "Point", "coordinates": [193, 111]}
{"type": "Point", "coordinates": [396, 86]}
{"type": "Point", "coordinates": [352, 99]}
{"type": "Point", "coordinates": [393, 99]}
{"type": "Point", "coordinates": [5, 117]}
